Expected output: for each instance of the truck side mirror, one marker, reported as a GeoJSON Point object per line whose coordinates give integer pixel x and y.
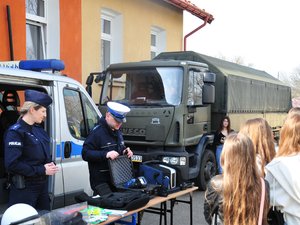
{"type": "Point", "coordinates": [89, 90]}
{"type": "Point", "coordinates": [208, 92]}
{"type": "Point", "coordinates": [100, 77]}
{"type": "Point", "coordinates": [89, 80]}
{"type": "Point", "coordinates": [209, 77]}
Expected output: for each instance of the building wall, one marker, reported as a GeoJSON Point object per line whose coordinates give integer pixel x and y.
{"type": "Point", "coordinates": [18, 24]}
{"type": "Point", "coordinates": [80, 34]}
{"type": "Point", "coordinates": [67, 45]}
{"type": "Point", "coordinates": [70, 37]}
{"type": "Point", "coordinates": [138, 17]}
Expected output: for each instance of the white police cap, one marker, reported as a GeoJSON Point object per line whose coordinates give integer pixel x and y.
{"type": "Point", "coordinates": [118, 111]}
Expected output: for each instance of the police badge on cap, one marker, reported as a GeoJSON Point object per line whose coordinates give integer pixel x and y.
{"type": "Point", "coordinates": [118, 111]}
{"type": "Point", "coordinates": [38, 97]}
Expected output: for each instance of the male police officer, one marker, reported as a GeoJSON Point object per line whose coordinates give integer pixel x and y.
{"type": "Point", "coordinates": [105, 142]}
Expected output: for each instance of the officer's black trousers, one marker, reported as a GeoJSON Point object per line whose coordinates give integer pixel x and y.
{"type": "Point", "coordinates": [35, 194]}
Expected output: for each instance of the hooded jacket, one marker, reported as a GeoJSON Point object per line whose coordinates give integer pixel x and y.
{"type": "Point", "coordinates": [282, 173]}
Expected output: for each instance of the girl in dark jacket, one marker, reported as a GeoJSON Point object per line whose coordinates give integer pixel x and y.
{"type": "Point", "coordinates": [219, 138]}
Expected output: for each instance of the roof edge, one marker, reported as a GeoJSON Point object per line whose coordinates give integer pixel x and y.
{"type": "Point", "coordinates": [192, 8]}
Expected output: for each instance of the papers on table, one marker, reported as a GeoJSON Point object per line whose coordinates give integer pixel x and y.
{"type": "Point", "coordinates": [95, 215]}
{"type": "Point", "coordinates": [114, 212]}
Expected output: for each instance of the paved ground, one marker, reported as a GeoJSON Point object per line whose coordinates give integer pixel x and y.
{"type": "Point", "coordinates": [181, 212]}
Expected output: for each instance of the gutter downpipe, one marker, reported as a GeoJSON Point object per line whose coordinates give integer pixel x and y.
{"type": "Point", "coordinates": [194, 31]}
{"type": "Point", "coordinates": [11, 46]}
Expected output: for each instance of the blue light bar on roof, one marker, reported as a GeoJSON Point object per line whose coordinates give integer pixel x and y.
{"type": "Point", "coordinates": [39, 65]}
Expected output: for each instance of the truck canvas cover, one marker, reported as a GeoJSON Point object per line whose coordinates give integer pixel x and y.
{"type": "Point", "coordinates": [240, 89]}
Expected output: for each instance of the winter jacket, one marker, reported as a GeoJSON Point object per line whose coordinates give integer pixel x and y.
{"type": "Point", "coordinates": [214, 200]}
{"type": "Point", "coordinates": [283, 176]}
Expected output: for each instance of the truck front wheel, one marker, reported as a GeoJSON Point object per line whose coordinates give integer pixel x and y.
{"type": "Point", "coordinates": [208, 169]}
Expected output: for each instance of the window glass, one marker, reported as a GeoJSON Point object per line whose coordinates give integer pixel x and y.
{"type": "Point", "coordinates": [91, 117]}
{"type": "Point", "coordinates": [106, 45]}
{"type": "Point", "coordinates": [106, 26]}
{"type": "Point", "coordinates": [81, 116]}
{"type": "Point", "coordinates": [34, 42]}
{"type": "Point", "coordinates": [158, 41]}
{"type": "Point", "coordinates": [74, 112]}
{"type": "Point", "coordinates": [111, 38]}
{"type": "Point", "coordinates": [153, 40]}
{"type": "Point", "coordinates": [35, 7]}
{"type": "Point", "coordinates": [157, 85]}
{"type": "Point", "coordinates": [195, 88]}
{"type": "Point", "coordinates": [36, 25]}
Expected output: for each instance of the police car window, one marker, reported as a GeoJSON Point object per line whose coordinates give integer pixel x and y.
{"type": "Point", "coordinates": [91, 117]}
{"type": "Point", "coordinates": [74, 112]}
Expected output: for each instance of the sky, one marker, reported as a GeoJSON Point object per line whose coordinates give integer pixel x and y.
{"type": "Point", "coordinates": [264, 33]}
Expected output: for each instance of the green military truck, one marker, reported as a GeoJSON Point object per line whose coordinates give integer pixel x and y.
{"type": "Point", "coordinates": [177, 101]}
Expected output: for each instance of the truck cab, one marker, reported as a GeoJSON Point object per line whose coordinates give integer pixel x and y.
{"type": "Point", "coordinates": [70, 118]}
{"type": "Point", "coordinates": [170, 120]}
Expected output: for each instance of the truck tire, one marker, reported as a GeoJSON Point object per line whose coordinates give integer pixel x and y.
{"type": "Point", "coordinates": [208, 169]}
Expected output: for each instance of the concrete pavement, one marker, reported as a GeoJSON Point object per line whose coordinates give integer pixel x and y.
{"type": "Point", "coordinates": [181, 212]}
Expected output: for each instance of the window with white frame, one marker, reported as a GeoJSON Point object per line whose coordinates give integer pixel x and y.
{"type": "Point", "coordinates": [158, 41]}
{"type": "Point", "coordinates": [111, 38]}
{"type": "Point", "coordinates": [106, 41]}
{"type": "Point", "coordinates": [36, 23]}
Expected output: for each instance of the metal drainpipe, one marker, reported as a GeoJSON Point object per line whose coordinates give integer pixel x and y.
{"type": "Point", "coordinates": [11, 46]}
{"type": "Point", "coordinates": [195, 30]}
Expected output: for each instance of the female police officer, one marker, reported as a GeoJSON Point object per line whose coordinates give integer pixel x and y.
{"type": "Point", "coordinates": [27, 154]}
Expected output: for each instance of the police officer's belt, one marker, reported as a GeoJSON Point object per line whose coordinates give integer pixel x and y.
{"type": "Point", "coordinates": [38, 178]}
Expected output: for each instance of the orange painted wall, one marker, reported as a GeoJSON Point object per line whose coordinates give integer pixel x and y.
{"type": "Point", "coordinates": [18, 23]}
{"type": "Point", "coordinates": [70, 37]}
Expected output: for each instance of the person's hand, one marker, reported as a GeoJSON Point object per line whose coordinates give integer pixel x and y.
{"type": "Point", "coordinates": [51, 168]}
{"type": "Point", "coordinates": [127, 151]}
{"type": "Point", "coordinates": [222, 140]}
{"type": "Point", "coordinates": [112, 155]}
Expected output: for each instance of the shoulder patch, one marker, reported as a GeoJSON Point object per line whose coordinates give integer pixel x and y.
{"type": "Point", "coordinates": [15, 127]}
{"type": "Point", "coordinates": [14, 143]}
{"type": "Point", "coordinates": [96, 127]}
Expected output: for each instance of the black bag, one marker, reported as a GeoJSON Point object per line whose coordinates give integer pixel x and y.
{"type": "Point", "coordinates": [126, 200]}
{"type": "Point", "coordinates": [275, 217]}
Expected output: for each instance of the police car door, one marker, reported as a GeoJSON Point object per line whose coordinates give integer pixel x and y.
{"type": "Point", "coordinates": [78, 115]}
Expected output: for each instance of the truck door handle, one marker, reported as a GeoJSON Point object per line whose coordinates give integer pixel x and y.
{"type": "Point", "coordinates": [205, 127]}
{"type": "Point", "coordinates": [67, 149]}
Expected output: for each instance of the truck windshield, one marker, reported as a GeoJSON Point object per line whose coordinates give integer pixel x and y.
{"type": "Point", "coordinates": [157, 86]}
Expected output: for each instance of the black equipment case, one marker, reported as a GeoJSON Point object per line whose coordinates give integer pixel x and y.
{"type": "Point", "coordinates": [122, 176]}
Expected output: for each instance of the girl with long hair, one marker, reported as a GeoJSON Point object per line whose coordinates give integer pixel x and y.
{"type": "Point", "coordinates": [237, 193]}
{"type": "Point", "coordinates": [283, 171]}
{"type": "Point", "coordinates": [259, 131]}
{"type": "Point", "coordinates": [219, 138]}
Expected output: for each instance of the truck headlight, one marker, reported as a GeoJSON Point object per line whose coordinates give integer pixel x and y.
{"type": "Point", "coordinates": [180, 161]}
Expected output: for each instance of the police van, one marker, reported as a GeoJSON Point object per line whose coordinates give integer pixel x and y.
{"type": "Point", "coordinates": [70, 118]}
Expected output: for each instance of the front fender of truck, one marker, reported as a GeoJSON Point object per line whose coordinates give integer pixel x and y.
{"type": "Point", "coordinates": [206, 166]}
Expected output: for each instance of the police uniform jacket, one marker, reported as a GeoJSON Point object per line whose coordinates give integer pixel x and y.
{"type": "Point", "coordinates": [27, 149]}
{"type": "Point", "coordinates": [100, 141]}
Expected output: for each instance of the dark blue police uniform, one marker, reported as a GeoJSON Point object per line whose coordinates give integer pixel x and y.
{"type": "Point", "coordinates": [27, 149]}
{"type": "Point", "coordinates": [99, 142]}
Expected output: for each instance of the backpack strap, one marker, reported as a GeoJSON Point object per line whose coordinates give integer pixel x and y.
{"type": "Point", "coordinates": [262, 201]}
